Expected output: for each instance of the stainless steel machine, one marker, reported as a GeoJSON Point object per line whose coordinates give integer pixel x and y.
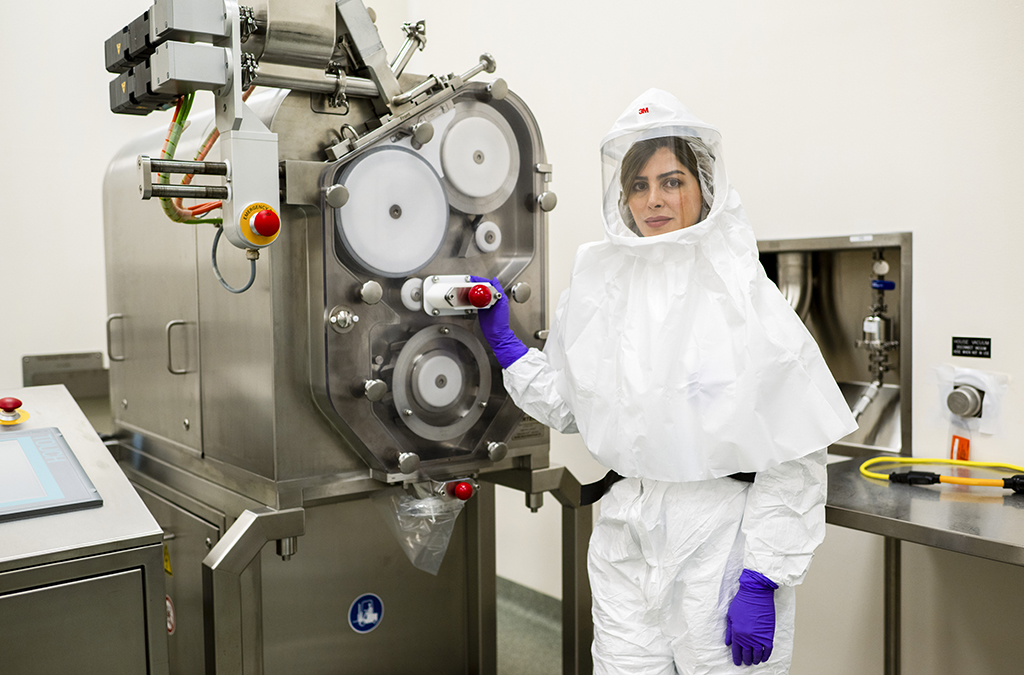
{"type": "Point", "coordinates": [359, 200]}
{"type": "Point", "coordinates": [854, 295]}
{"type": "Point", "coordinates": [81, 565]}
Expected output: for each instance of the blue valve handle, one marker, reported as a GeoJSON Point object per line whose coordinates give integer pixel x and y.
{"type": "Point", "coordinates": [882, 285]}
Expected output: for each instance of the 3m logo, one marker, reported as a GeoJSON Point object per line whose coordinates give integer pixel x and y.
{"type": "Point", "coordinates": [644, 111]}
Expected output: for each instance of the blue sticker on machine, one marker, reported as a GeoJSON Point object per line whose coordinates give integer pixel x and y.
{"type": "Point", "coordinates": [366, 613]}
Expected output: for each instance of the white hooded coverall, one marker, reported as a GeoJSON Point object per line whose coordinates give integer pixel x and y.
{"type": "Point", "coordinates": [681, 363]}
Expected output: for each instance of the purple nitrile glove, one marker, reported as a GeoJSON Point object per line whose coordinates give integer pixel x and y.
{"type": "Point", "coordinates": [750, 622]}
{"type": "Point", "coordinates": [506, 346]}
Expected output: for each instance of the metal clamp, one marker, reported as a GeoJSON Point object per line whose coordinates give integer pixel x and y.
{"type": "Point", "coordinates": [110, 354]}
{"type": "Point", "coordinates": [170, 365]}
{"type": "Point", "coordinates": [247, 21]}
{"type": "Point", "coordinates": [249, 67]}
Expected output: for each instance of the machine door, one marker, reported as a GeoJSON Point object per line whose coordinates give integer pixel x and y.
{"type": "Point", "coordinates": [187, 540]}
{"type": "Point", "coordinates": [94, 626]}
{"type": "Point", "coordinates": [152, 298]}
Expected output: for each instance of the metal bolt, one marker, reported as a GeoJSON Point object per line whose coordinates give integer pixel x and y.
{"type": "Point", "coordinates": [489, 237]}
{"type": "Point", "coordinates": [378, 360]}
{"type": "Point", "coordinates": [375, 390]}
{"type": "Point", "coordinates": [445, 330]}
{"type": "Point", "coordinates": [124, 403]}
{"type": "Point", "coordinates": [441, 382]}
{"type": "Point", "coordinates": [435, 279]}
{"type": "Point", "coordinates": [342, 320]}
{"type": "Point", "coordinates": [496, 451]}
{"type": "Point", "coordinates": [186, 424]}
{"type": "Point", "coordinates": [483, 404]}
{"type": "Point", "coordinates": [336, 196]}
{"type": "Point", "coordinates": [547, 201]}
{"type": "Point", "coordinates": [469, 278]}
{"type": "Point", "coordinates": [417, 294]}
{"type": "Point", "coordinates": [407, 412]}
{"type": "Point", "coordinates": [395, 211]}
{"type": "Point", "coordinates": [209, 543]}
{"type": "Point", "coordinates": [371, 292]}
{"type": "Point", "coordinates": [436, 312]}
{"type": "Point", "coordinates": [478, 157]}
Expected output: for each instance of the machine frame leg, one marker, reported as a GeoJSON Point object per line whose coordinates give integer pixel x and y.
{"type": "Point", "coordinates": [234, 637]}
{"type": "Point", "coordinates": [893, 565]}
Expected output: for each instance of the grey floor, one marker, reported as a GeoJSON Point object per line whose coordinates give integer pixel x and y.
{"type": "Point", "coordinates": [529, 631]}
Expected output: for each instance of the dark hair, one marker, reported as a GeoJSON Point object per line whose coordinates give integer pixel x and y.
{"type": "Point", "coordinates": [641, 151]}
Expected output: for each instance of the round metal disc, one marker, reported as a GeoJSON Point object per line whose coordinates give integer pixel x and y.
{"type": "Point", "coordinates": [480, 158]}
{"type": "Point", "coordinates": [462, 361]}
{"type": "Point", "coordinates": [397, 213]}
{"type": "Point", "coordinates": [437, 380]}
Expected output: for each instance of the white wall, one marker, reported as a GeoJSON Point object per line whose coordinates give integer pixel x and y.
{"type": "Point", "coordinates": [838, 118]}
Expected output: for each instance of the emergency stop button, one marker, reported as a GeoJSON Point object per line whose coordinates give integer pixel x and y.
{"type": "Point", "coordinates": [265, 223]}
{"type": "Point", "coordinates": [480, 296]}
{"type": "Point", "coordinates": [259, 224]}
{"type": "Point", "coordinates": [10, 412]}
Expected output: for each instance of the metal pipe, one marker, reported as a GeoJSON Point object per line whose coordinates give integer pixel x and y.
{"type": "Point", "coordinates": [416, 37]}
{"type": "Point", "coordinates": [183, 166]}
{"type": "Point", "coordinates": [323, 84]}
{"type": "Point", "coordinates": [191, 191]}
{"type": "Point", "coordinates": [795, 281]}
{"type": "Point", "coordinates": [422, 87]}
{"type": "Point", "coordinates": [404, 56]}
{"type": "Point", "coordinates": [866, 398]}
{"type": "Point", "coordinates": [487, 63]}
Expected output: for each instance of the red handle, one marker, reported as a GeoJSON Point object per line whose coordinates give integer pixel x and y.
{"type": "Point", "coordinates": [480, 296]}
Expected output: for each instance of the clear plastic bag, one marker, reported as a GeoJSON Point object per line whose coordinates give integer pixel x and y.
{"type": "Point", "coordinates": [422, 525]}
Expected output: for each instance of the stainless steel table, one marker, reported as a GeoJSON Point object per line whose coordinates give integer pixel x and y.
{"type": "Point", "coordinates": [982, 522]}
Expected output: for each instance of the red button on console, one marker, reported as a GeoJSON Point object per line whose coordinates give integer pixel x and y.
{"type": "Point", "coordinates": [9, 404]}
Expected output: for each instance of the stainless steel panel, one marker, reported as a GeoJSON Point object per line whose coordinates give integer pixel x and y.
{"type": "Point", "coordinates": [978, 521]}
{"type": "Point", "coordinates": [840, 298]}
{"type": "Point", "coordinates": [151, 280]}
{"type": "Point", "coordinates": [374, 348]}
{"type": "Point", "coordinates": [187, 540]}
{"type": "Point", "coordinates": [121, 522]}
{"type": "Point", "coordinates": [91, 626]}
{"type": "Point", "coordinates": [348, 551]}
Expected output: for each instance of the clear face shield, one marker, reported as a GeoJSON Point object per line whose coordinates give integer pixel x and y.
{"type": "Point", "coordinates": [657, 181]}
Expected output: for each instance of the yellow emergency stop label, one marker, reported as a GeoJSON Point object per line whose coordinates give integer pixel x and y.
{"type": "Point", "coordinates": [167, 562]}
{"type": "Point", "coordinates": [243, 223]}
{"type": "Point", "coordinates": [118, 48]}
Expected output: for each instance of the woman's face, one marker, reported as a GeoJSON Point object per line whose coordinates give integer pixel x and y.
{"type": "Point", "coordinates": [665, 196]}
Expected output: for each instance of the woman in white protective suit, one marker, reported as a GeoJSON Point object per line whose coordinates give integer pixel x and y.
{"type": "Point", "coordinates": [683, 367]}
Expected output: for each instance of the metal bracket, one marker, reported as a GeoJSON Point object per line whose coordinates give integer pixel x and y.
{"type": "Point", "coordinates": [222, 585]}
